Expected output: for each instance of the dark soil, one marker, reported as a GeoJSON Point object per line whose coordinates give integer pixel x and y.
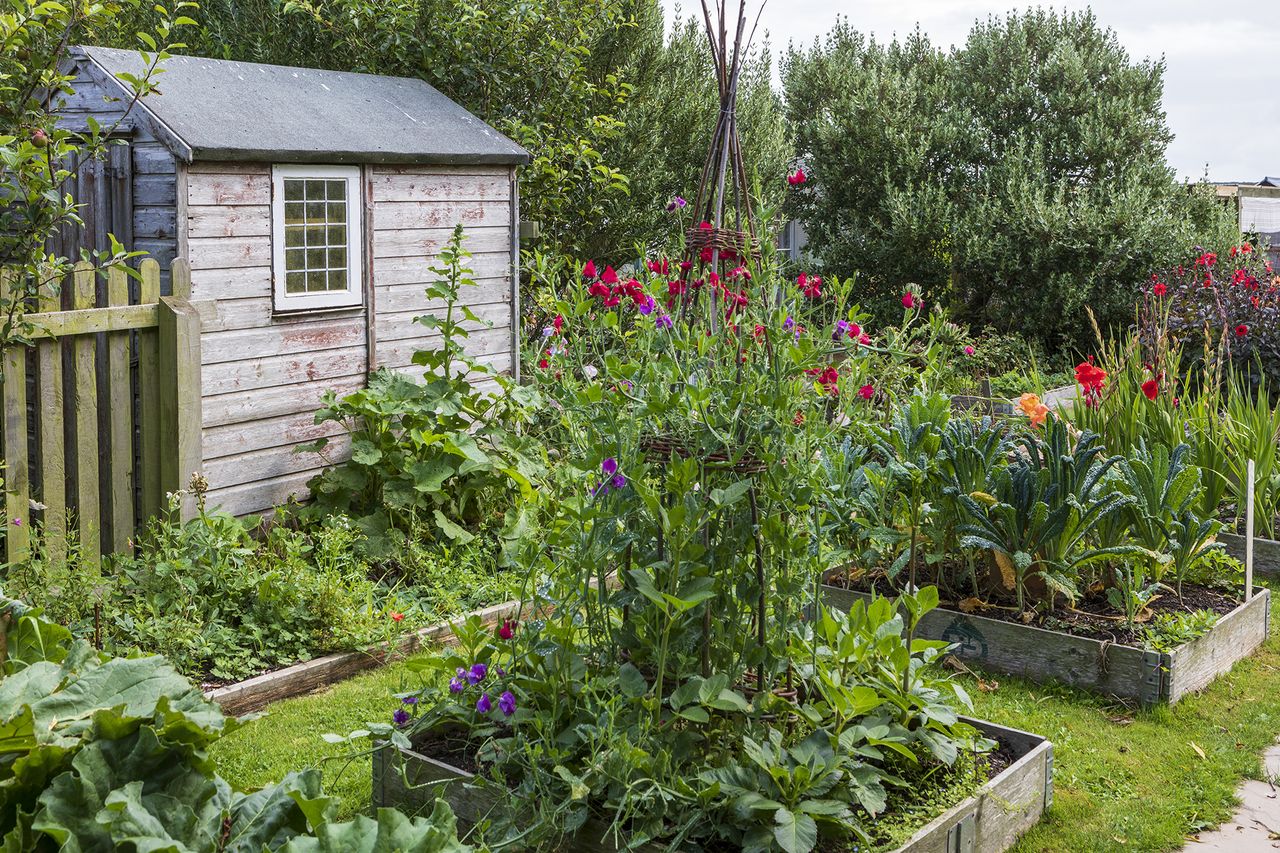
{"type": "Point", "coordinates": [452, 748]}
{"type": "Point", "coordinates": [1093, 616]}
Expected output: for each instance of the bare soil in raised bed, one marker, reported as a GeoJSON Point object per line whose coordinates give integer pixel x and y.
{"type": "Point", "coordinates": [1092, 616]}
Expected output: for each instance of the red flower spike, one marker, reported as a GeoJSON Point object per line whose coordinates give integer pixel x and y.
{"type": "Point", "coordinates": [1150, 389]}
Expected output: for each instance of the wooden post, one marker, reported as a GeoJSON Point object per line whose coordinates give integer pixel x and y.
{"type": "Point", "coordinates": [121, 420]}
{"type": "Point", "coordinates": [1248, 523]}
{"type": "Point", "coordinates": [53, 450]}
{"type": "Point", "coordinates": [88, 505]}
{"type": "Point", "coordinates": [17, 489]}
{"type": "Point", "coordinates": [180, 412]}
{"type": "Point", "coordinates": [152, 494]}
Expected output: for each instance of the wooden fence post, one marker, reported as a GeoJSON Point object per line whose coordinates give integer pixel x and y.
{"type": "Point", "coordinates": [88, 504]}
{"type": "Point", "coordinates": [149, 371]}
{"type": "Point", "coordinates": [180, 404]}
{"type": "Point", "coordinates": [53, 461]}
{"type": "Point", "coordinates": [17, 488]}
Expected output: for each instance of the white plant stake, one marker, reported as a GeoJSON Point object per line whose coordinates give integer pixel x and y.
{"type": "Point", "coordinates": [1248, 545]}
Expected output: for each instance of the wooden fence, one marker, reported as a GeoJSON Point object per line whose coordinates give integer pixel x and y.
{"type": "Point", "coordinates": [101, 415]}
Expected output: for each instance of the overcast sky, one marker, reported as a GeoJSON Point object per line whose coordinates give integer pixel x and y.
{"type": "Point", "coordinates": [1223, 58]}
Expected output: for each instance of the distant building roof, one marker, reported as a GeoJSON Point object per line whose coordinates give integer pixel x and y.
{"type": "Point", "coordinates": [1269, 182]}
{"type": "Point", "coordinates": [216, 109]}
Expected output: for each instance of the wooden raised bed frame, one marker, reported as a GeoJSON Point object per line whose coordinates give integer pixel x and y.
{"type": "Point", "coordinates": [1124, 672]}
{"type": "Point", "coordinates": [1266, 554]}
{"type": "Point", "coordinates": [990, 821]}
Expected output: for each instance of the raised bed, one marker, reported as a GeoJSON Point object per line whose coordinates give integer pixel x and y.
{"type": "Point", "coordinates": [256, 693]}
{"type": "Point", "coordinates": [1266, 553]}
{"type": "Point", "coordinates": [1125, 672]}
{"type": "Point", "coordinates": [988, 822]}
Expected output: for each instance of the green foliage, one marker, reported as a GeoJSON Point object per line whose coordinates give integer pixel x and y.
{"type": "Point", "coordinates": [1168, 631]}
{"type": "Point", "coordinates": [438, 457]}
{"type": "Point", "coordinates": [36, 155]}
{"type": "Point", "coordinates": [1017, 178]}
{"type": "Point", "coordinates": [218, 602]}
{"type": "Point", "coordinates": [109, 753]}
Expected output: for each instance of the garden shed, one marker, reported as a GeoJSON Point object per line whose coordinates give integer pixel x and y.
{"type": "Point", "coordinates": [310, 205]}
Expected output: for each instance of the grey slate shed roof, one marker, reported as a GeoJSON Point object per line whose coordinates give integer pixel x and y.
{"type": "Point", "coordinates": [215, 109]}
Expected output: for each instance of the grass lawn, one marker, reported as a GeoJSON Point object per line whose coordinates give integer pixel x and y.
{"type": "Point", "coordinates": [1123, 779]}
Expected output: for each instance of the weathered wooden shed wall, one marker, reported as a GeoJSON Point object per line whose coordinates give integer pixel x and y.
{"type": "Point", "coordinates": [151, 183]}
{"type": "Point", "coordinates": [263, 375]}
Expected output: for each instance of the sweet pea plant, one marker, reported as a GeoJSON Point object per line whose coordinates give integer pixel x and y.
{"type": "Point", "coordinates": [666, 667]}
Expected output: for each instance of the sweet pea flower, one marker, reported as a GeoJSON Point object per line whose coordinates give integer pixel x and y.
{"type": "Point", "coordinates": [456, 685]}
{"type": "Point", "coordinates": [609, 277]}
{"type": "Point", "coordinates": [508, 629]}
{"type": "Point", "coordinates": [507, 703]}
{"type": "Point", "coordinates": [589, 270]}
{"type": "Point", "coordinates": [662, 321]}
{"type": "Point", "coordinates": [410, 700]}
{"type": "Point", "coordinates": [910, 300]}
{"type": "Point", "coordinates": [797, 178]}
{"type": "Point", "coordinates": [675, 204]}
{"type": "Point", "coordinates": [866, 392]}
{"type": "Point", "coordinates": [400, 717]}
{"type": "Point", "coordinates": [647, 306]}
{"type": "Point", "coordinates": [483, 705]}
{"type": "Point", "coordinates": [842, 329]}
{"type": "Point", "coordinates": [477, 673]}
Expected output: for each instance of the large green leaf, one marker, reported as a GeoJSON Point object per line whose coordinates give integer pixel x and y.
{"type": "Point", "coordinates": [389, 832]}
{"type": "Point", "coordinates": [795, 833]}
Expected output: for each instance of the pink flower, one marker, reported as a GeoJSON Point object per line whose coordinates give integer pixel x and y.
{"type": "Point", "coordinates": [589, 271]}
{"type": "Point", "coordinates": [866, 392]}
{"type": "Point", "coordinates": [1159, 289]}
{"type": "Point", "coordinates": [508, 629]}
{"type": "Point", "coordinates": [797, 178]}
{"type": "Point", "coordinates": [609, 277]}
{"type": "Point", "coordinates": [910, 300]}
{"type": "Point", "coordinates": [969, 350]}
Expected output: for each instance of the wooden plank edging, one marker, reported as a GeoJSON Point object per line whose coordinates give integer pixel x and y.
{"type": "Point", "coordinates": [1266, 553]}
{"type": "Point", "coordinates": [256, 693]}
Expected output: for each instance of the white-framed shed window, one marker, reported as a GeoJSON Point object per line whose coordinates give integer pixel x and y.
{"type": "Point", "coordinates": [316, 237]}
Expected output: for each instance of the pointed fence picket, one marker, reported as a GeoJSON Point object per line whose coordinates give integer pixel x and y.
{"type": "Point", "coordinates": [101, 413]}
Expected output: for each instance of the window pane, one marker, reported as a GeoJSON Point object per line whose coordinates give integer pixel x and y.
{"type": "Point", "coordinates": [337, 190]}
{"type": "Point", "coordinates": [292, 236]}
{"type": "Point", "coordinates": [315, 190]}
{"type": "Point", "coordinates": [338, 259]}
{"type": "Point", "coordinates": [337, 279]}
{"type": "Point", "coordinates": [316, 282]}
{"type": "Point", "coordinates": [337, 211]}
{"type": "Point", "coordinates": [294, 259]}
{"type": "Point", "coordinates": [295, 282]}
{"type": "Point", "coordinates": [293, 211]}
{"type": "Point", "coordinates": [315, 235]}
{"type": "Point", "coordinates": [315, 259]}
{"type": "Point", "coordinates": [293, 189]}
{"type": "Point", "coordinates": [337, 235]}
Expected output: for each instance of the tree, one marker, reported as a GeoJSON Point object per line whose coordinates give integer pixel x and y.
{"type": "Point", "coordinates": [1017, 178]}
{"type": "Point", "coordinates": [37, 154]}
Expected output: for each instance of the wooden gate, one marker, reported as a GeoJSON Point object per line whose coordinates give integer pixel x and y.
{"type": "Point", "coordinates": [93, 439]}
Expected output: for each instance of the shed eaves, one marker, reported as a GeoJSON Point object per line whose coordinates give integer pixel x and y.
{"type": "Point", "coordinates": [222, 110]}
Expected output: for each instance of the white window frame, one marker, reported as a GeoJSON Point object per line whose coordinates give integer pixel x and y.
{"type": "Point", "coordinates": [284, 302]}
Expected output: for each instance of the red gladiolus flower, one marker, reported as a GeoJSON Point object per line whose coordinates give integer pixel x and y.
{"type": "Point", "coordinates": [1091, 379]}
{"type": "Point", "coordinates": [797, 178]}
{"type": "Point", "coordinates": [397, 617]}
{"type": "Point", "coordinates": [1150, 389]}
{"type": "Point", "coordinates": [589, 271]}
{"type": "Point", "coordinates": [1159, 289]}
{"type": "Point", "coordinates": [1242, 330]}
{"type": "Point", "coordinates": [866, 392]}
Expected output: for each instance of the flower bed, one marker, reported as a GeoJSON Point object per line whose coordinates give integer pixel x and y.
{"type": "Point", "coordinates": [989, 821]}
{"type": "Point", "coordinates": [1100, 666]}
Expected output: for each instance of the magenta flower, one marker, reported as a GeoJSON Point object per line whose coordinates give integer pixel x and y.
{"type": "Point", "coordinates": [507, 703]}
{"type": "Point", "coordinates": [508, 629]}
{"type": "Point", "coordinates": [969, 350]}
{"type": "Point", "coordinates": [866, 392]}
{"type": "Point", "coordinates": [675, 204]}
{"type": "Point", "coordinates": [484, 706]}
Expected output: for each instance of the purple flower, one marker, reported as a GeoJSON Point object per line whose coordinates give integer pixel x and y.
{"type": "Point", "coordinates": [17, 522]}
{"type": "Point", "coordinates": [477, 673]}
{"type": "Point", "coordinates": [502, 673]}
{"type": "Point", "coordinates": [456, 685]}
{"type": "Point", "coordinates": [548, 332]}
{"type": "Point", "coordinates": [410, 700]}
{"type": "Point", "coordinates": [609, 466]}
{"type": "Point", "coordinates": [618, 481]}
{"type": "Point", "coordinates": [647, 307]}
{"type": "Point", "coordinates": [788, 324]}
{"type": "Point", "coordinates": [507, 703]}
{"type": "Point", "coordinates": [675, 203]}
{"type": "Point", "coordinates": [662, 321]}
{"type": "Point", "coordinates": [842, 329]}
{"type": "Point", "coordinates": [484, 706]}
{"type": "Point", "coordinates": [400, 717]}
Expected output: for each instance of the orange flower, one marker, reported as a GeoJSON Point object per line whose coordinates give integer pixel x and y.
{"type": "Point", "coordinates": [1033, 408]}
